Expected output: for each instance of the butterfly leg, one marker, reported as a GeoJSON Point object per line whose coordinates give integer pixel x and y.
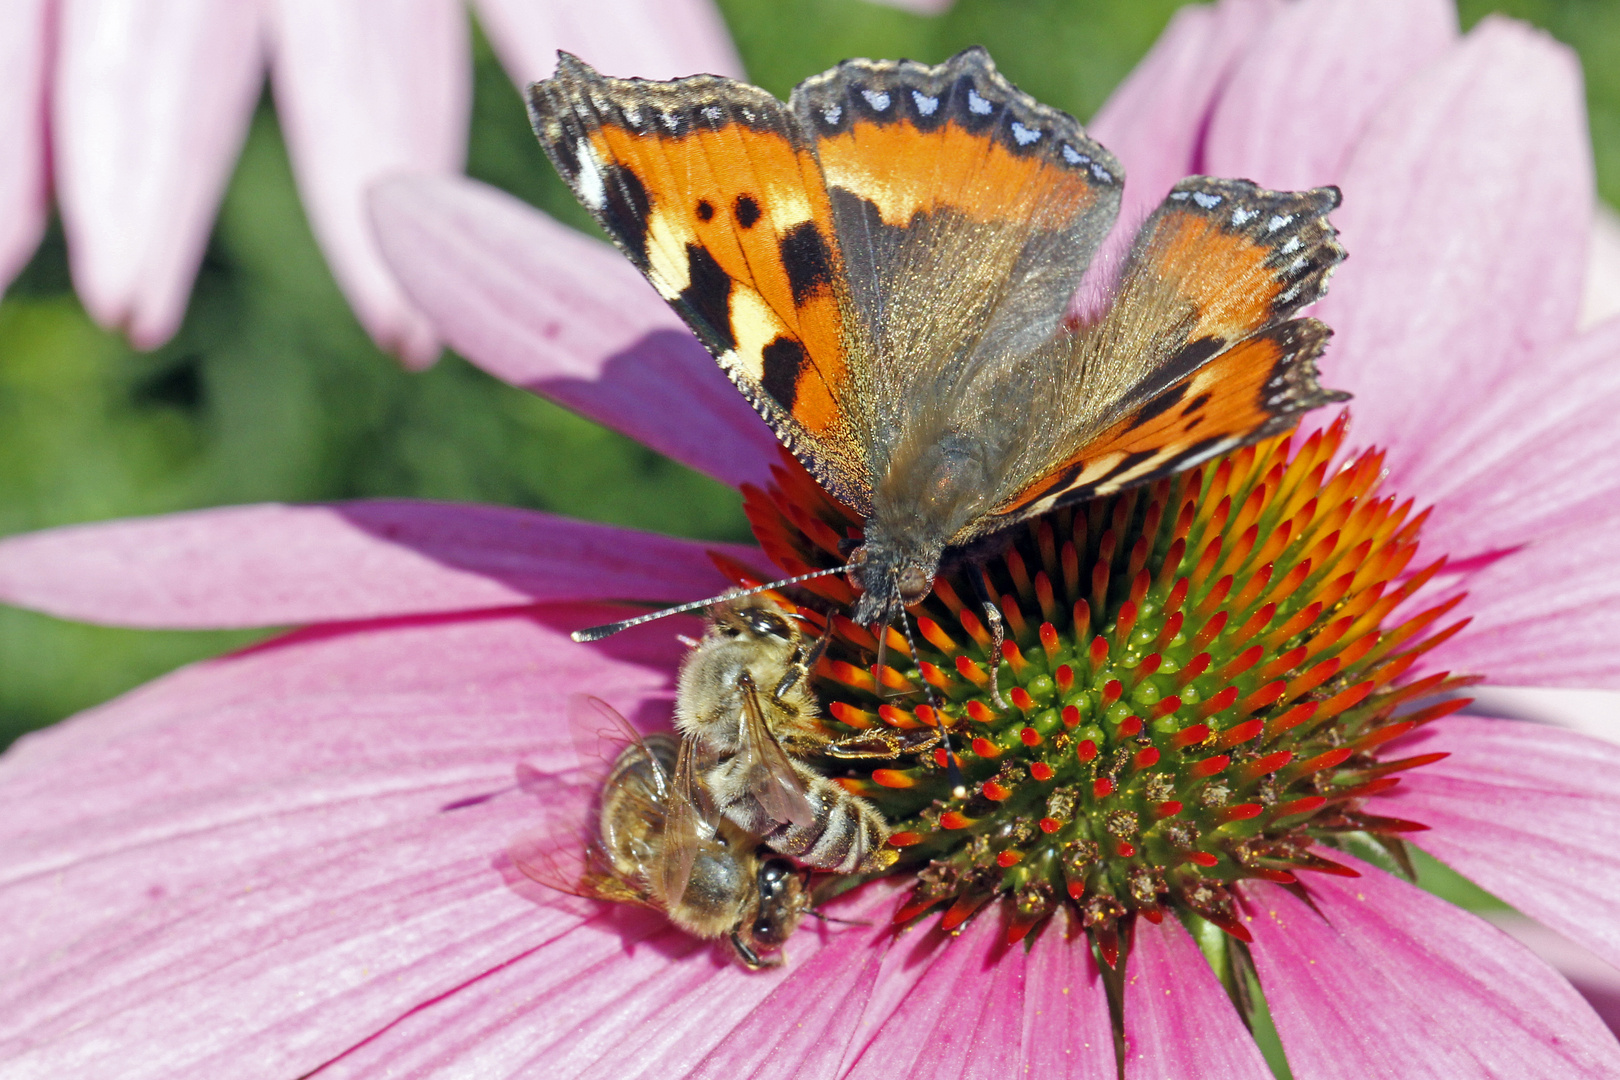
{"type": "Point", "coordinates": [998, 632]}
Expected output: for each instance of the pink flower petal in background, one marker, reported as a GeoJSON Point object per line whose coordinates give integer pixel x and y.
{"type": "Point", "coordinates": [1597, 982]}
{"type": "Point", "coordinates": [1310, 80]}
{"type": "Point", "coordinates": [1601, 299]}
{"type": "Point", "coordinates": [650, 39]}
{"type": "Point", "coordinates": [151, 103]}
{"type": "Point", "coordinates": [1463, 267]}
{"type": "Point", "coordinates": [23, 180]}
{"type": "Point", "coordinates": [1388, 980]}
{"type": "Point", "coordinates": [1154, 121]}
{"type": "Point", "coordinates": [1528, 812]}
{"type": "Point", "coordinates": [539, 305]}
{"type": "Point", "coordinates": [277, 565]}
{"type": "Point", "coordinates": [1178, 1020]}
{"type": "Point", "coordinates": [402, 73]}
{"type": "Point", "coordinates": [273, 856]}
{"type": "Point", "coordinates": [1591, 712]}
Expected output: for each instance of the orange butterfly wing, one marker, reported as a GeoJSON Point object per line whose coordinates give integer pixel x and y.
{"type": "Point", "coordinates": [708, 185]}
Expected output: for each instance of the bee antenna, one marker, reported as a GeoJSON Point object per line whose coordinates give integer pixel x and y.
{"type": "Point", "coordinates": [597, 633]}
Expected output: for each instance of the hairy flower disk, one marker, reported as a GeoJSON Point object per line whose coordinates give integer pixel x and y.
{"type": "Point", "coordinates": [1197, 686]}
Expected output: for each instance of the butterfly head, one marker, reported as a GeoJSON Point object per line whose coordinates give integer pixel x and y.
{"type": "Point", "coordinates": [889, 577]}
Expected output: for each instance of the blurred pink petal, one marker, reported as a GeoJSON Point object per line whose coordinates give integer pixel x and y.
{"type": "Point", "coordinates": [552, 311]}
{"type": "Point", "coordinates": [1303, 91]}
{"type": "Point", "coordinates": [1528, 812]}
{"type": "Point", "coordinates": [276, 565]}
{"type": "Point", "coordinates": [1154, 121]}
{"type": "Point", "coordinates": [365, 89]}
{"type": "Point", "coordinates": [151, 103]}
{"type": "Point", "coordinates": [1178, 1019]}
{"type": "Point", "coordinates": [275, 855]}
{"type": "Point", "coordinates": [1464, 263]}
{"type": "Point", "coordinates": [1390, 981]}
{"type": "Point", "coordinates": [650, 39]}
{"type": "Point", "coordinates": [23, 181]}
{"type": "Point", "coordinates": [1601, 300]}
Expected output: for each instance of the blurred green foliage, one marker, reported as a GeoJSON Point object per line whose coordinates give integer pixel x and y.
{"type": "Point", "coordinates": [272, 392]}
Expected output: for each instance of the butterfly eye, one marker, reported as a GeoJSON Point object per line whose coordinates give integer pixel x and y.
{"type": "Point", "coordinates": [915, 583]}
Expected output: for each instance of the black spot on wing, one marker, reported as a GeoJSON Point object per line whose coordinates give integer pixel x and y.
{"type": "Point", "coordinates": [747, 211]}
{"type": "Point", "coordinates": [1190, 357]}
{"type": "Point", "coordinates": [708, 295]}
{"type": "Point", "coordinates": [1159, 405]}
{"type": "Point", "coordinates": [627, 209]}
{"type": "Point", "coordinates": [807, 260]}
{"type": "Point", "coordinates": [1195, 405]}
{"type": "Point", "coordinates": [784, 360]}
{"type": "Point", "coordinates": [705, 210]}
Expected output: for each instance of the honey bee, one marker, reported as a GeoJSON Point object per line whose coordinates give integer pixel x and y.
{"type": "Point", "coordinates": [654, 840]}
{"type": "Point", "coordinates": [744, 704]}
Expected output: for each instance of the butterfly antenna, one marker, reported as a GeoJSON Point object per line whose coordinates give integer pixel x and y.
{"type": "Point", "coordinates": [597, 633]}
{"type": "Point", "coordinates": [953, 771]}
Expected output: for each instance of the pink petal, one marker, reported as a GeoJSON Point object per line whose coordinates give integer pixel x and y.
{"type": "Point", "coordinates": [1591, 712]}
{"type": "Point", "coordinates": [1390, 981]}
{"type": "Point", "coordinates": [1067, 1031]}
{"type": "Point", "coordinates": [651, 39]}
{"type": "Point", "coordinates": [1178, 1019]}
{"type": "Point", "coordinates": [959, 1015]}
{"type": "Point", "coordinates": [23, 198]}
{"type": "Point", "coordinates": [1601, 298]}
{"type": "Point", "coordinates": [1596, 981]}
{"type": "Point", "coordinates": [1545, 616]}
{"type": "Point", "coordinates": [1154, 121]}
{"type": "Point", "coordinates": [1300, 96]}
{"type": "Point", "coordinates": [251, 866]}
{"type": "Point", "coordinates": [276, 565]}
{"type": "Point", "coordinates": [1467, 206]}
{"type": "Point", "coordinates": [552, 311]}
{"type": "Point", "coordinates": [365, 89]}
{"type": "Point", "coordinates": [151, 103]}
{"type": "Point", "coordinates": [1527, 811]}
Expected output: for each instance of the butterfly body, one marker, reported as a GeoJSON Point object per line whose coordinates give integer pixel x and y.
{"type": "Point", "coordinates": [884, 267]}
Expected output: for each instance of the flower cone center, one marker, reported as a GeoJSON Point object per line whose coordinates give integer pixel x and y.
{"type": "Point", "coordinates": [1198, 685]}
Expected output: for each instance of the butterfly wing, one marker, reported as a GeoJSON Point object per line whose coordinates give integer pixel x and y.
{"type": "Point", "coordinates": [966, 213]}
{"type": "Point", "coordinates": [1198, 354]}
{"type": "Point", "coordinates": [711, 188]}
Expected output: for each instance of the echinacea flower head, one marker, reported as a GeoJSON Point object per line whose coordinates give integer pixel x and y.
{"type": "Point", "coordinates": [1223, 723]}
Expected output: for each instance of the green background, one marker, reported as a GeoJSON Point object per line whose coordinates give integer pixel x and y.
{"type": "Point", "coordinates": [272, 392]}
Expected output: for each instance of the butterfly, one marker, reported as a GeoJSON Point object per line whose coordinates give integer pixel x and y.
{"type": "Point", "coordinates": [884, 266]}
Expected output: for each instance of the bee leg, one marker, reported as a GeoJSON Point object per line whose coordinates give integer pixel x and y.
{"type": "Point", "coordinates": [748, 956]}
{"type": "Point", "coordinates": [802, 663]}
{"type": "Point", "coordinates": [998, 633]}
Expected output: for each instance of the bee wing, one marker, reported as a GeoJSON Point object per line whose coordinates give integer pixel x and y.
{"type": "Point", "coordinates": [563, 851]}
{"type": "Point", "coordinates": [767, 770]}
{"type": "Point", "coordinates": [691, 822]}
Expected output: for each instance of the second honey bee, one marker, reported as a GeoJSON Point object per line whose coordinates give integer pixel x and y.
{"type": "Point", "coordinates": [744, 703]}
{"type": "Point", "coordinates": [649, 843]}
